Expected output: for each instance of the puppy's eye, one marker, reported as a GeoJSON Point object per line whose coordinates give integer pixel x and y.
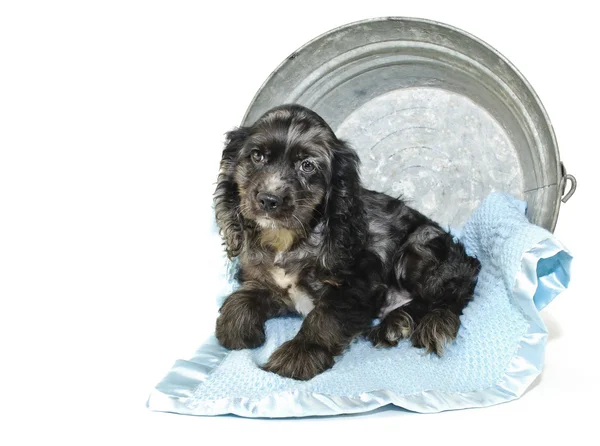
{"type": "Point", "coordinates": [257, 157]}
{"type": "Point", "coordinates": [307, 166]}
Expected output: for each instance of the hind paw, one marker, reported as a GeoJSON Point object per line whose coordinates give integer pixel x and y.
{"type": "Point", "coordinates": [435, 331]}
{"type": "Point", "coordinates": [396, 326]}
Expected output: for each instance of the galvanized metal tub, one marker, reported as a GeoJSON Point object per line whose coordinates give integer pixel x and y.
{"type": "Point", "coordinates": [437, 115]}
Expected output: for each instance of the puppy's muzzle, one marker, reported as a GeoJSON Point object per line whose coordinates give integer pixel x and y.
{"type": "Point", "coordinates": [269, 202]}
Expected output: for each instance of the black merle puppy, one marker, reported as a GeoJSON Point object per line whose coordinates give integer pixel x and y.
{"type": "Point", "coordinates": [312, 241]}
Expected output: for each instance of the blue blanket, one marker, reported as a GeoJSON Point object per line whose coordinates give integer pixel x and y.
{"type": "Point", "coordinates": [498, 353]}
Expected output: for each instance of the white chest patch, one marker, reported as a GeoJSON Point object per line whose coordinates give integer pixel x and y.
{"type": "Point", "coordinates": [300, 299]}
{"type": "Point", "coordinates": [282, 279]}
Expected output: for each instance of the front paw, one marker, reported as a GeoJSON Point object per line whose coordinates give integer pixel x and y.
{"type": "Point", "coordinates": [299, 360]}
{"type": "Point", "coordinates": [239, 331]}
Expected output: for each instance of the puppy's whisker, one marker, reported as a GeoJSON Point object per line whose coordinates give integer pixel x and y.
{"type": "Point", "coordinates": [243, 208]}
{"type": "Point", "coordinates": [253, 182]}
{"type": "Point", "coordinates": [309, 207]}
{"type": "Point", "coordinates": [302, 226]}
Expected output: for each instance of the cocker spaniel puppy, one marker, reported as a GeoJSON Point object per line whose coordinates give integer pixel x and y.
{"type": "Point", "coordinates": [312, 241]}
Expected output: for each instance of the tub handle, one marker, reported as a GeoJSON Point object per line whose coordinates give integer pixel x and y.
{"type": "Point", "coordinates": [565, 178]}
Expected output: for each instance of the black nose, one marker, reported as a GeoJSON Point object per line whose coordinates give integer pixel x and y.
{"type": "Point", "coordinates": [269, 202]}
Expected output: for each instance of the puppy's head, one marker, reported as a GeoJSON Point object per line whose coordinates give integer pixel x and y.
{"type": "Point", "coordinates": [284, 173]}
{"type": "Point", "coordinates": [283, 168]}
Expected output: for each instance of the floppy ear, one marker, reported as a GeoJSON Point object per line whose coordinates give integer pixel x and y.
{"type": "Point", "coordinates": [345, 223]}
{"type": "Point", "coordinates": [226, 197]}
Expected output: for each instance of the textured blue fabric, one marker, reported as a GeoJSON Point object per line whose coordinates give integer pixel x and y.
{"type": "Point", "coordinates": [497, 354]}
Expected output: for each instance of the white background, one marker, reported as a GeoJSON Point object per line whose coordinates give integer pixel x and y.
{"type": "Point", "coordinates": [112, 117]}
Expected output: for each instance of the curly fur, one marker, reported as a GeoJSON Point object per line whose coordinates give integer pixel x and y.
{"type": "Point", "coordinates": [323, 246]}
